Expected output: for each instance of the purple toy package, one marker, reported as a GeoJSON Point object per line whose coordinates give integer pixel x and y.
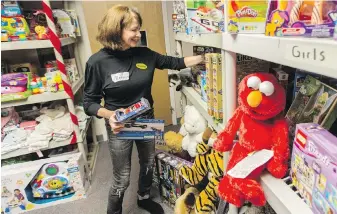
{"type": "Point", "coordinates": [313, 18]}
{"type": "Point", "coordinates": [314, 167]}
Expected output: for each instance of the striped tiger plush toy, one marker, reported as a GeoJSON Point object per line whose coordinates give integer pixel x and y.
{"type": "Point", "coordinates": [207, 162]}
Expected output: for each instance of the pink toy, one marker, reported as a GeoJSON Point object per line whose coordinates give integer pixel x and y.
{"type": "Point", "coordinates": [314, 18]}
{"type": "Point", "coordinates": [12, 89]}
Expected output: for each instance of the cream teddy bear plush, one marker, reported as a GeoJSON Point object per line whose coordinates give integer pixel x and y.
{"type": "Point", "coordinates": [194, 125]}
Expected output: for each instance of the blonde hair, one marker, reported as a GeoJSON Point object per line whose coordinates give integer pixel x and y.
{"type": "Point", "coordinates": [111, 27]}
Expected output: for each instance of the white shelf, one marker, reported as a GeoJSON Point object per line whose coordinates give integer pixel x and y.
{"type": "Point", "coordinates": [282, 50]}
{"type": "Point", "coordinates": [33, 44]}
{"type": "Point", "coordinates": [212, 40]}
{"type": "Point", "coordinates": [52, 144]}
{"type": "Point", "coordinates": [281, 197]}
{"type": "Point", "coordinates": [25, 151]}
{"type": "Point", "coordinates": [37, 98]}
{"type": "Point", "coordinates": [44, 97]}
{"type": "Point", "coordinates": [193, 97]}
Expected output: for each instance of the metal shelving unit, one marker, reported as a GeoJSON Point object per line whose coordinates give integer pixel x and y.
{"type": "Point", "coordinates": [310, 54]}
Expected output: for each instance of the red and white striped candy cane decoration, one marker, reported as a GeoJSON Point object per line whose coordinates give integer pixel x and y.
{"type": "Point", "coordinates": [55, 40]}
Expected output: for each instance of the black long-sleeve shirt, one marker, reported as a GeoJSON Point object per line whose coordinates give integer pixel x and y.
{"type": "Point", "coordinates": [122, 78]}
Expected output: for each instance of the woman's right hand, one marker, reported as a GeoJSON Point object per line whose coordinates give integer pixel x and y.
{"type": "Point", "coordinates": [116, 127]}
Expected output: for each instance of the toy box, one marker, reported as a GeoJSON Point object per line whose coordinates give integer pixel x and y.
{"type": "Point", "coordinates": [140, 129]}
{"type": "Point", "coordinates": [209, 84]}
{"type": "Point", "coordinates": [15, 86]}
{"type": "Point", "coordinates": [133, 111]}
{"type": "Point", "coordinates": [15, 27]}
{"type": "Point", "coordinates": [201, 67]}
{"type": "Point", "coordinates": [313, 167]}
{"type": "Point", "coordinates": [301, 18]}
{"type": "Point", "coordinates": [42, 183]}
{"type": "Point", "coordinates": [203, 85]}
{"type": "Point", "coordinates": [171, 183]}
{"type": "Point", "coordinates": [299, 79]}
{"type": "Point", "coordinates": [315, 102]}
{"type": "Point", "coordinates": [179, 18]}
{"type": "Point", "coordinates": [10, 9]}
{"type": "Point", "coordinates": [246, 16]}
{"type": "Point", "coordinates": [202, 50]}
{"type": "Point", "coordinates": [217, 86]}
{"type": "Point", "coordinates": [204, 16]}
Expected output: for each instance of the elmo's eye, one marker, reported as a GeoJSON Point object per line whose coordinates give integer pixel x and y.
{"type": "Point", "coordinates": [267, 88]}
{"type": "Point", "coordinates": [254, 82]}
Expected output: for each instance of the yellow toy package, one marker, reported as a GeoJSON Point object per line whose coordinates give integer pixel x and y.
{"type": "Point", "coordinates": [217, 86]}
{"type": "Point", "coordinates": [246, 16]}
{"type": "Point", "coordinates": [209, 83]}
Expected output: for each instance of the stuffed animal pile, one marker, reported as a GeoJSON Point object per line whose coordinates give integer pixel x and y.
{"type": "Point", "coordinates": [261, 128]}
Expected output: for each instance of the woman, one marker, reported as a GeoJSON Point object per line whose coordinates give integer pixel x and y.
{"type": "Point", "coordinates": [122, 74]}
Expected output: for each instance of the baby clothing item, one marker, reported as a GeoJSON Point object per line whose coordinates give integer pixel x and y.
{"type": "Point", "coordinates": [62, 128]}
{"type": "Point", "coordinates": [57, 112]}
{"type": "Point", "coordinates": [39, 138]}
{"type": "Point", "coordinates": [58, 121]}
{"type": "Point", "coordinates": [14, 140]}
{"type": "Point", "coordinates": [9, 118]}
{"type": "Point", "coordinates": [28, 125]}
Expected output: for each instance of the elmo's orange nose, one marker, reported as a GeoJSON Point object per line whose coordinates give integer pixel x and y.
{"type": "Point", "coordinates": [254, 99]}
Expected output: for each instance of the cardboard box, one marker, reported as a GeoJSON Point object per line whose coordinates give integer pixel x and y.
{"type": "Point", "coordinates": [246, 16]}
{"type": "Point", "coordinates": [203, 86]}
{"type": "Point", "coordinates": [199, 69]}
{"type": "Point", "coordinates": [315, 103]}
{"type": "Point", "coordinates": [179, 18]}
{"type": "Point", "coordinates": [217, 86]}
{"type": "Point", "coordinates": [143, 129]}
{"type": "Point", "coordinates": [313, 167]}
{"type": "Point", "coordinates": [299, 79]}
{"type": "Point", "coordinates": [42, 183]}
{"type": "Point", "coordinates": [202, 50]}
{"type": "Point", "coordinates": [205, 16]}
{"type": "Point", "coordinates": [209, 84]}
{"type": "Point", "coordinates": [171, 183]}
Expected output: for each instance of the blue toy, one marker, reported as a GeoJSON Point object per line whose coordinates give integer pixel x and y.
{"type": "Point", "coordinates": [10, 9]}
{"type": "Point", "coordinates": [133, 111]}
{"type": "Point", "coordinates": [52, 181]}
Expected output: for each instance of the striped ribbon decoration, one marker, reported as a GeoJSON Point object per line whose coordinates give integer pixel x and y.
{"type": "Point", "coordinates": [56, 42]}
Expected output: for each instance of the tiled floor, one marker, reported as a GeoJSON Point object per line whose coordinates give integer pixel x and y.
{"type": "Point", "coordinates": [96, 200]}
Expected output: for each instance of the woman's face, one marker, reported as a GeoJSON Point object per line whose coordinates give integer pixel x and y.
{"type": "Point", "coordinates": [131, 35]}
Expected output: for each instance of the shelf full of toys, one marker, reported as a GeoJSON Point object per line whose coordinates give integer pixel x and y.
{"type": "Point", "coordinates": [298, 34]}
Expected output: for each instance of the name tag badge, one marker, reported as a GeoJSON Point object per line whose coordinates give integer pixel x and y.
{"type": "Point", "coordinates": [120, 77]}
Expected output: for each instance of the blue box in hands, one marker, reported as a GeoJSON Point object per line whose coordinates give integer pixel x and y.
{"type": "Point", "coordinates": [143, 129]}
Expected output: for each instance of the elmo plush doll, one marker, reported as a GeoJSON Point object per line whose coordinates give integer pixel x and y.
{"type": "Point", "coordinates": [261, 100]}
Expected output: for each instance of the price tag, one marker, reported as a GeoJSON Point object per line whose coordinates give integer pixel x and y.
{"type": "Point", "coordinates": [318, 55]}
{"type": "Point", "coordinates": [250, 163]}
{"type": "Point", "coordinates": [39, 153]}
